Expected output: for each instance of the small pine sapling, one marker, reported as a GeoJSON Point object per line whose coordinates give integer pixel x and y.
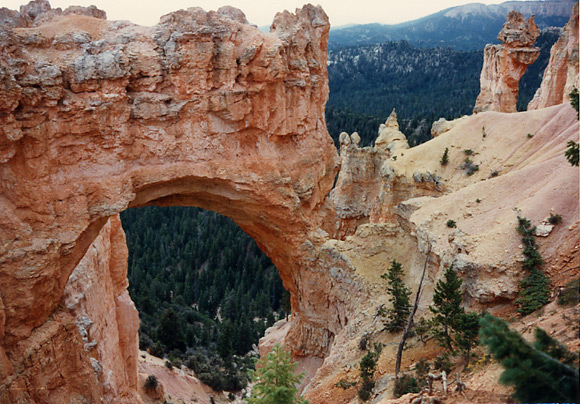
{"type": "Point", "coordinates": [446, 308]}
{"type": "Point", "coordinates": [399, 298]}
{"type": "Point", "coordinates": [445, 158]}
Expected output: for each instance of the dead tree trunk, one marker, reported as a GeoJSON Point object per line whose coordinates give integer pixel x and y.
{"type": "Point", "coordinates": [410, 320]}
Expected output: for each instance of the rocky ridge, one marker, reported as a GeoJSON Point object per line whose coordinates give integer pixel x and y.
{"type": "Point", "coordinates": [205, 110]}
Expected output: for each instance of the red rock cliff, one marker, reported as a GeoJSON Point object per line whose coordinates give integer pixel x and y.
{"type": "Point", "coordinates": [561, 75]}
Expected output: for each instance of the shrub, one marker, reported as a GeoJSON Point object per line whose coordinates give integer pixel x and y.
{"type": "Point", "coordinates": [405, 384]}
{"type": "Point", "coordinates": [569, 296]}
{"type": "Point", "coordinates": [494, 174]}
{"type": "Point", "coordinates": [572, 153]}
{"type": "Point", "coordinates": [468, 152]}
{"type": "Point", "coordinates": [451, 223]}
{"type": "Point", "coordinates": [555, 219]}
{"type": "Point", "coordinates": [156, 350]}
{"type": "Point", "coordinates": [530, 136]}
{"type": "Point", "coordinates": [574, 101]}
{"type": "Point", "coordinates": [422, 329]}
{"type": "Point", "coordinates": [151, 382]}
{"type": "Point", "coordinates": [469, 167]}
{"type": "Point", "coordinates": [169, 365]}
{"type": "Point", "coordinates": [445, 157]}
{"type": "Point", "coordinates": [442, 362]}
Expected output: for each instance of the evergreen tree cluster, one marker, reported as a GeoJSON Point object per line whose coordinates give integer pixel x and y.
{"type": "Point", "coordinates": [535, 288]}
{"type": "Point", "coordinates": [202, 287]}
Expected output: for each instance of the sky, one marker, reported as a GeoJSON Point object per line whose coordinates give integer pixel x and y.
{"type": "Point", "coordinates": [261, 12]}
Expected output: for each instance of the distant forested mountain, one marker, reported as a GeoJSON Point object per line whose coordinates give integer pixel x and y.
{"type": "Point", "coordinates": [467, 27]}
{"type": "Point", "coordinates": [422, 84]}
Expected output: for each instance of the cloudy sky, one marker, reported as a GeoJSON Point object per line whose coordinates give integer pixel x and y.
{"type": "Point", "coordinates": [261, 12]}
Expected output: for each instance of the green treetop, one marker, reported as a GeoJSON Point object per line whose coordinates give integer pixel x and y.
{"type": "Point", "coordinates": [446, 307]}
{"type": "Point", "coordinates": [399, 298]}
{"type": "Point", "coordinates": [275, 380]}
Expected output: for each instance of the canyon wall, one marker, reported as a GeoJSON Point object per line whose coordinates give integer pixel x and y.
{"type": "Point", "coordinates": [205, 110]}
{"type": "Point", "coordinates": [561, 75]}
{"type": "Point", "coordinates": [504, 65]}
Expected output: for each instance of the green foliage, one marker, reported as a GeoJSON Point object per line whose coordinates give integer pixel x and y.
{"type": "Point", "coordinates": [442, 362]}
{"type": "Point", "coordinates": [468, 152]}
{"type": "Point", "coordinates": [467, 333]}
{"type": "Point", "coordinates": [469, 167]}
{"type": "Point", "coordinates": [555, 219]}
{"type": "Point", "coordinates": [170, 331]}
{"type": "Point", "coordinates": [219, 374]}
{"type": "Point", "coordinates": [275, 380]}
{"type": "Point", "coordinates": [446, 308]}
{"type": "Point", "coordinates": [195, 263]}
{"type": "Point", "coordinates": [422, 328]}
{"type": "Point", "coordinates": [530, 135]}
{"type": "Point", "coordinates": [451, 223]}
{"type": "Point", "coordinates": [570, 294]}
{"type": "Point", "coordinates": [445, 157]}
{"type": "Point", "coordinates": [534, 293]}
{"type": "Point", "coordinates": [545, 343]}
{"type": "Point", "coordinates": [574, 101]}
{"type": "Point", "coordinates": [399, 297]}
{"type": "Point", "coordinates": [151, 382]}
{"type": "Point", "coordinates": [422, 370]}
{"type": "Point", "coordinates": [535, 290]}
{"type": "Point", "coordinates": [572, 153]}
{"type": "Point", "coordinates": [540, 373]}
{"type": "Point", "coordinates": [368, 365]}
{"type": "Point", "coordinates": [405, 384]}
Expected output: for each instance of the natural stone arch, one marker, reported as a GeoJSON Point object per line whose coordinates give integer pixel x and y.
{"type": "Point", "coordinates": [201, 110]}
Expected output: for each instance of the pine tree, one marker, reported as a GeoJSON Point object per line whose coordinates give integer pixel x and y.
{"type": "Point", "coordinates": [170, 331]}
{"type": "Point", "coordinates": [446, 307]}
{"type": "Point", "coordinates": [535, 291]}
{"type": "Point", "coordinates": [275, 380]}
{"type": "Point", "coordinates": [538, 375]}
{"type": "Point", "coordinates": [467, 333]}
{"type": "Point", "coordinates": [399, 298]}
{"type": "Point", "coordinates": [445, 157]}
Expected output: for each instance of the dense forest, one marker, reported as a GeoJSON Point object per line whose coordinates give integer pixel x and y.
{"type": "Point", "coordinates": [204, 291]}
{"type": "Point", "coordinates": [423, 84]}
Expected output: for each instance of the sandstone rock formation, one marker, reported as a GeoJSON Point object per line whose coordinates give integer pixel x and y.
{"type": "Point", "coordinates": [96, 116]}
{"type": "Point", "coordinates": [205, 110]}
{"type": "Point", "coordinates": [561, 75]}
{"type": "Point", "coordinates": [504, 65]}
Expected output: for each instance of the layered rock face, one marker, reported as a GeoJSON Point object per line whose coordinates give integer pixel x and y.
{"type": "Point", "coordinates": [504, 65]}
{"type": "Point", "coordinates": [96, 117]}
{"type": "Point", "coordinates": [561, 75]}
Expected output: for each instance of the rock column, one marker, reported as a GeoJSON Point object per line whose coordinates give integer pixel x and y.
{"type": "Point", "coordinates": [504, 65]}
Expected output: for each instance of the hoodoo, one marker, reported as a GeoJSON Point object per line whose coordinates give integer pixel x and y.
{"type": "Point", "coordinates": [504, 65]}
